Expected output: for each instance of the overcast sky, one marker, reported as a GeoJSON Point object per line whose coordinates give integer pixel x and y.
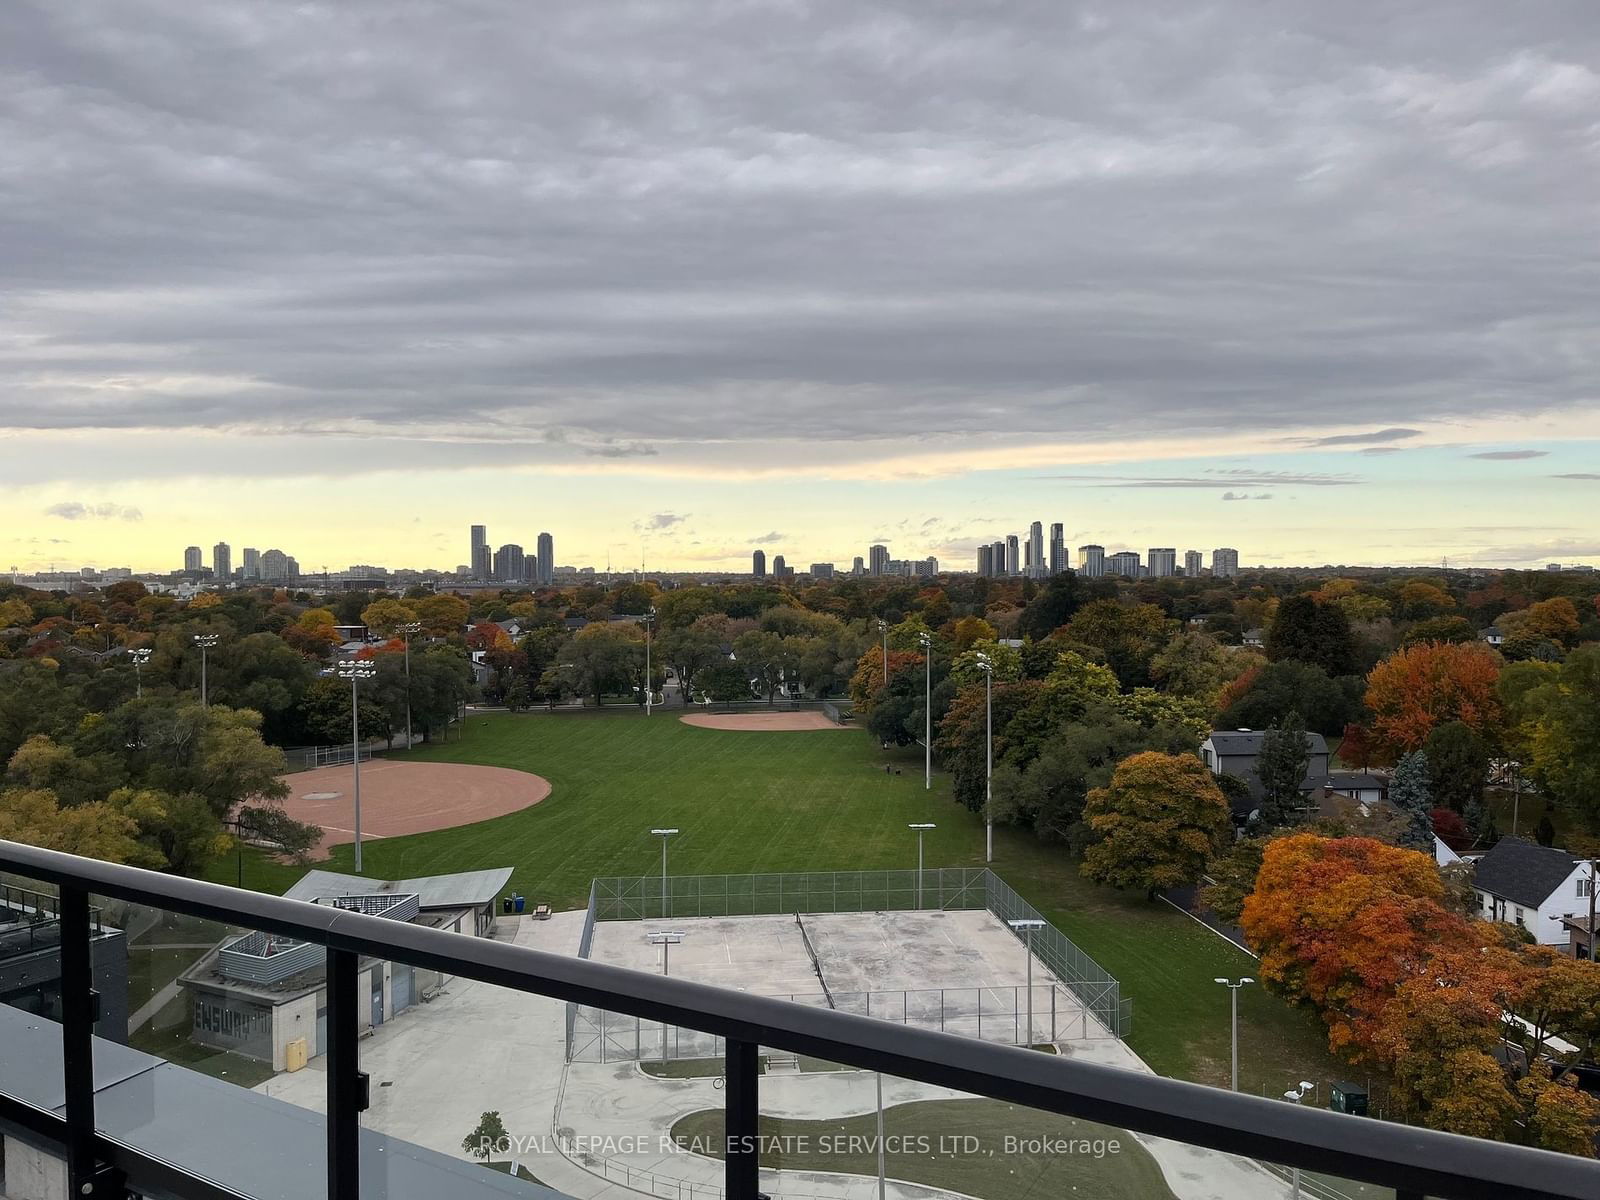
{"type": "Point", "coordinates": [668, 278]}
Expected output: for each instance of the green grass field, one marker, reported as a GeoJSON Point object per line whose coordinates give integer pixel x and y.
{"type": "Point", "coordinates": [753, 802]}
{"type": "Point", "coordinates": [927, 1143]}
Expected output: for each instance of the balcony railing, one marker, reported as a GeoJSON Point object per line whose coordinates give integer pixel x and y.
{"type": "Point", "coordinates": [1414, 1162]}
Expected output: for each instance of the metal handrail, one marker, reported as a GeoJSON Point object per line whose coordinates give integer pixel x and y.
{"type": "Point", "coordinates": [1411, 1160]}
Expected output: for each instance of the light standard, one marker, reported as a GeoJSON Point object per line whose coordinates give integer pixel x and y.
{"type": "Point", "coordinates": [883, 628]}
{"type": "Point", "coordinates": [355, 671]}
{"type": "Point", "coordinates": [926, 642]}
{"type": "Point", "coordinates": [1295, 1096]}
{"type": "Point", "coordinates": [1233, 994]}
{"type": "Point", "coordinates": [921, 828]}
{"type": "Point", "coordinates": [664, 834]}
{"type": "Point", "coordinates": [140, 657]}
{"type": "Point", "coordinates": [411, 627]}
{"type": "Point", "coordinates": [1027, 926]}
{"type": "Point", "coordinates": [649, 690]}
{"type": "Point", "coordinates": [664, 940]}
{"type": "Point", "coordinates": [986, 665]}
{"type": "Point", "coordinates": [206, 641]}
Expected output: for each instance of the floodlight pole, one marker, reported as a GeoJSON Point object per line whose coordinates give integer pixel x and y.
{"type": "Point", "coordinates": [1233, 993]}
{"type": "Point", "coordinates": [986, 665]}
{"type": "Point", "coordinates": [205, 641]}
{"type": "Point", "coordinates": [664, 834]}
{"type": "Point", "coordinates": [1027, 926]}
{"type": "Point", "coordinates": [140, 657]}
{"type": "Point", "coordinates": [927, 711]}
{"type": "Point", "coordinates": [649, 620]}
{"type": "Point", "coordinates": [881, 1176]}
{"type": "Point", "coordinates": [883, 628]}
{"type": "Point", "coordinates": [409, 629]}
{"type": "Point", "coordinates": [355, 672]}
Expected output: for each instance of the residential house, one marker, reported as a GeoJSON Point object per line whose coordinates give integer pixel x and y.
{"type": "Point", "coordinates": [1255, 638]}
{"type": "Point", "coordinates": [1357, 785]}
{"type": "Point", "coordinates": [1536, 887]}
{"type": "Point", "coordinates": [1234, 752]}
{"type": "Point", "coordinates": [1493, 636]}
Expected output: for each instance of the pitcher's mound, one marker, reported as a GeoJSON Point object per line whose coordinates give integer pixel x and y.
{"type": "Point", "coordinates": [400, 797]}
{"type": "Point", "coordinates": [763, 721]}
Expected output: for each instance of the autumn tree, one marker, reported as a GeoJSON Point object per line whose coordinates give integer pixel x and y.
{"type": "Point", "coordinates": [1127, 637]}
{"type": "Point", "coordinates": [443, 614]}
{"type": "Point", "coordinates": [1156, 825]}
{"type": "Point", "coordinates": [386, 617]}
{"type": "Point", "coordinates": [1420, 687]}
{"type": "Point", "coordinates": [1340, 923]}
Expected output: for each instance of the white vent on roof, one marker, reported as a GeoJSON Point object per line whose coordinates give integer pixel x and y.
{"type": "Point", "coordinates": [1242, 729]}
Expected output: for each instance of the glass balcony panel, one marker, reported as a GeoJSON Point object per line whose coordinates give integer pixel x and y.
{"type": "Point", "coordinates": [220, 1032]}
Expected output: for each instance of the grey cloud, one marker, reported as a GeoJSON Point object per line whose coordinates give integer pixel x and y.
{"type": "Point", "coordinates": [661, 520]}
{"type": "Point", "coordinates": [656, 231]}
{"type": "Point", "coordinates": [1361, 439]}
{"type": "Point", "coordinates": [1382, 450]}
{"type": "Point", "coordinates": [73, 510]}
{"type": "Point", "coordinates": [1246, 496]}
{"type": "Point", "coordinates": [767, 539]}
{"type": "Point", "coordinates": [1578, 475]}
{"type": "Point", "coordinates": [1509, 455]}
{"type": "Point", "coordinates": [1221, 477]}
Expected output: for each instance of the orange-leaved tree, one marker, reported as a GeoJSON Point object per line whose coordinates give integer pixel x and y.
{"type": "Point", "coordinates": [1429, 684]}
{"type": "Point", "coordinates": [1157, 823]}
{"type": "Point", "coordinates": [1340, 923]}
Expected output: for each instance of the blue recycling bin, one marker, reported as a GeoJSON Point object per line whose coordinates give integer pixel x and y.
{"type": "Point", "coordinates": [517, 901]}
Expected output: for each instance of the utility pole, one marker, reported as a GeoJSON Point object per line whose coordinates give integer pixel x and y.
{"type": "Point", "coordinates": [986, 665]}
{"type": "Point", "coordinates": [408, 630]}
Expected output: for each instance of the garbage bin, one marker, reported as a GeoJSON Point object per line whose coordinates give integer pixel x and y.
{"type": "Point", "coordinates": [505, 903]}
{"type": "Point", "coordinates": [517, 900]}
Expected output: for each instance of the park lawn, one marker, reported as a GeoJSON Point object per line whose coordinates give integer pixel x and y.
{"type": "Point", "coordinates": [820, 800]}
{"type": "Point", "coordinates": [923, 1144]}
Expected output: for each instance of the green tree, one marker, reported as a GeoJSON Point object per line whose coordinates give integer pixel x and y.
{"type": "Point", "coordinates": [1458, 765]}
{"type": "Point", "coordinates": [1128, 637]}
{"type": "Point", "coordinates": [1281, 769]}
{"type": "Point", "coordinates": [601, 659]}
{"type": "Point", "coordinates": [1256, 701]}
{"type": "Point", "coordinates": [487, 1138]}
{"type": "Point", "coordinates": [1411, 794]}
{"type": "Point", "coordinates": [693, 648]}
{"type": "Point", "coordinates": [1157, 823]}
{"type": "Point", "coordinates": [1304, 631]}
{"type": "Point", "coordinates": [1233, 876]}
{"type": "Point", "coordinates": [1051, 607]}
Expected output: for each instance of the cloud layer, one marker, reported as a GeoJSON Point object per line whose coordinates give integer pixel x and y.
{"type": "Point", "coordinates": [620, 234]}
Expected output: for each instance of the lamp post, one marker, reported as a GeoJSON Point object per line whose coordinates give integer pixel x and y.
{"type": "Point", "coordinates": [1027, 926]}
{"type": "Point", "coordinates": [926, 642]}
{"type": "Point", "coordinates": [206, 641]}
{"type": "Point", "coordinates": [140, 657]}
{"type": "Point", "coordinates": [883, 628]}
{"type": "Point", "coordinates": [355, 671]}
{"type": "Point", "coordinates": [649, 620]}
{"type": "Point", "coordinates": [986, 665]}
{"type": "Point", "coordinates": [664, 834]}
{"type": "Point", "coordinates": [1295, 1096]}
{"type": "Point", "coordinates": [1233, 994]}
{"type": "Point", "coordinates": [921, 827]}
{"type": "Point", "coordinates": [664, 940]}
{"type": "Point", "coordinates": [411, 627]}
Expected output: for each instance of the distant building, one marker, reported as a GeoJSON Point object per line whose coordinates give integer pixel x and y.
{"type": "Point", "coordinates": [822, 570]}
{"type": "Point", "coordinates": [278, 567]}
{"type": "Point", "coordinates": [222, 561]}
{"type": "Point", "coordinates": [482, 560]}
{"type": "Point", "coordinates": [1091, 561]}
{"type": "Point", "coordinates": [758, 564]}
{"type": "Point", "coordinates": [1124, 562]}
{"type": "Point", "coordinates": [1036, 549]}
{"type": "Point", "coordinates": [878, 560]}
{"type": "Point", "coordinates": [1193, 563]}
{"type": "Point", "coordinates": [1224, 563]}
{"type": "Point", "coordinates": [252, 563]}
{"type": "Point", "coordinates": [508, 563]}
{"type": "Point", "coordinates": [193, 559]}
{"type": "Point", "coordinates": [779, 567]}
{"type": "Point", "coordinates": [546, 573]}
{"type": "Point", "coordinates": [1013, 555]}
{"type": "Point", "coordinates": [1163, 562]}
{"type": "Point", "coordinates": [856, 566]}
{"type": "Point", "coordinates": [1058, 549]}
{"type": "Point", "coordinates": [985, 561]}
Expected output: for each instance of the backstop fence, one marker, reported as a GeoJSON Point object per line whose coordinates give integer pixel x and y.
{"type": "Point", "coordinates": [1082, 1000]}
{"type": "Point", "coordinates": [309, 758]}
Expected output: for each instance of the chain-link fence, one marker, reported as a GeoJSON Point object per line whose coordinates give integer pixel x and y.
{"type": "Point", "coordinates": [309, 758]}
{"type": "Point", "coordinates": [1083, 998]}
{"type": "Point", "coordinates": [647, 897]}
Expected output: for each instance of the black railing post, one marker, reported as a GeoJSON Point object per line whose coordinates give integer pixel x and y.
{"type": "Point", "coordinates": [742, 1121]}
{"type": "Point", "coordinates": [78, 1004]}
{"type": "Point", "coordinates": [344, 1103]}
